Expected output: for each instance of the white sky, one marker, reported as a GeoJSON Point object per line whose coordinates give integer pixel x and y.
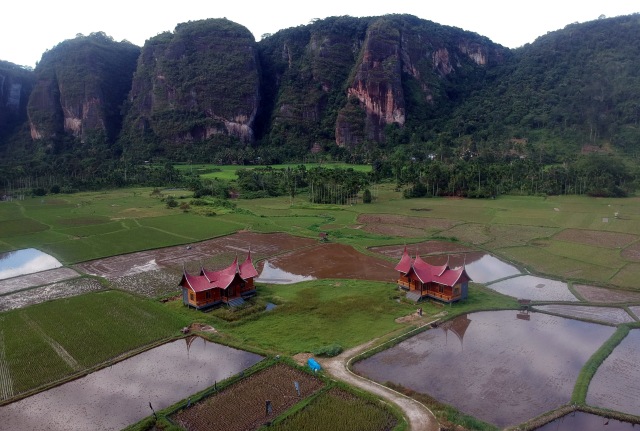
{"type": "Point", "coordinates": [28, 29]}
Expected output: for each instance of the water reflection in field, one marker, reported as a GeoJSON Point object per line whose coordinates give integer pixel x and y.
{"type": "Point", "coordinates": [616, 384]}
{"type": "Point", "coordinates": [504, 367]}
{"type": "Point", "coordinates": [580, 421]}
{"type": "Point", "coordinates": [117, 396]}
{"type": "Point", "coordinates": [534, 288]}
{"type": "Point", "coordinates": [274, 275]}
{"type": "Point", "coordinates": [25, 261]}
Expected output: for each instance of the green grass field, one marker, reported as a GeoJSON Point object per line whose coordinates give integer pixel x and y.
{"type": "Point", "coordinates": [86, 226]}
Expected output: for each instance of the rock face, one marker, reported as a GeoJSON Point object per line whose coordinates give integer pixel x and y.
{"type": "Point", "coordinates": [80, 87]}
{"type": "Point", "coordinates": [194, 84]}
{"type": "Point", "coordinates": [353, 82]}
{"type": "Point", "coordinates": [16, 84]}
{"type": "Point", "coordinates": [348, 80]}
{"type": "Point", "coordinates": [400, 54]}
{"type": "Point", "coordinates": [377, 85]}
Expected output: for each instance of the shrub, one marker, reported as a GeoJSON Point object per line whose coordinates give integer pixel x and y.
{"type": "Point", "coordinates": [328, 351]}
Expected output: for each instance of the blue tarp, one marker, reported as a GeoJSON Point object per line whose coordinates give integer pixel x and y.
{"type": "Point", "coordinates": [313, 364]}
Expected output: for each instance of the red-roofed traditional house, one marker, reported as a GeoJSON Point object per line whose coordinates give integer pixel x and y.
{"type": "Point", "coordinates": [423, 280]}
{"type": "Point", "coordinates": [228, 286]}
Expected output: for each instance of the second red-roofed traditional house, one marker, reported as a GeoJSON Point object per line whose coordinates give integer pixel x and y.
{"type": "Point", "coordinates": [226, 286]}
{"type": "Point", "coordinates": [422, 280]}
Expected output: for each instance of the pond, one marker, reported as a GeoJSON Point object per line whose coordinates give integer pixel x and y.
{"type": "Point", "coordinates": [616, 384]}
{"type": "Point", "coordinates": [581, 421]}
{"type": "Point", "coordinates": [503, 367]}
{"type": "Point", "coordinates": [116, 396]}
{"type": "Point", "coordinates": [27, 261]}
{"type": "Point", "coordinates": [534, 288]}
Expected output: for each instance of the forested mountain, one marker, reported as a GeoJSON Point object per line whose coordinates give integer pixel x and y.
{"type": "Point", "coordinates": [380, 90]}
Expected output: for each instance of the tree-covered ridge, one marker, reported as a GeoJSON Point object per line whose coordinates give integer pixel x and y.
{"type": "Point", "coordinates": [194, 84]}
{"type": "Point", "coordinates": [81, 86]}
{"type": "Point", "coordinates": [394, 91]}
{"type": "Point", "coordinates": [571, 89]}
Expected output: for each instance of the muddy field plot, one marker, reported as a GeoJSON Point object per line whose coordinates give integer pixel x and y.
{"type": "Point", "coordinates": [616, 384]}
{"type": "Point", "coordinates": [63, 289]}
{"type": "Point", "coordinates": [596, 238]}
{"type": "Point", "coordinates": [329, 261]}
{"type": "Point", "coordinates": [38, 279]}
{"type": "Point", "coordinates": [402, 226]}
{"type": "Point", "coordinates": [242, 406]}
{"type": "Point", "coordinates": [211, 253]}
{"type": "Point", "coordinates": [601, 294]}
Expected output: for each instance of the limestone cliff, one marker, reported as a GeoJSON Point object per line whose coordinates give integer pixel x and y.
{"type": "Point", "coordinates": [197, 84]}
{"type": "Point", "coordinates": [404, 58]}
{"type": "Point", "coordinates": [15, 86]}
{"type": "Point", "coordinates": [80, 87]}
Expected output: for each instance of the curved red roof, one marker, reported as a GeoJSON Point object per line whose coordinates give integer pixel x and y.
{"type": "Point", "coordinates": [220, 279]}
{"type": "Point", "coordinates": [405, 262]}
{"type": "Point", "coordinates": [246, 269]}
{"type": "Point", "coordinates": [427, 273]}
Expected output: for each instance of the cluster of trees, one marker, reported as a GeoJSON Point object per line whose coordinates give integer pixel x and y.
{"type": "Point", "coordinates": [593, 175]}
{"type": "Point", "coordinates": [321, 185]}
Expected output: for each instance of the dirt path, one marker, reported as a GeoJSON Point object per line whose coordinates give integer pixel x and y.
{"type": "Point", "coordinates": [419, 417]}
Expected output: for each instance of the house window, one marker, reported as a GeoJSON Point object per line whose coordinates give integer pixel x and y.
{"type": "Point", "coordinates": [456, 290]}
{"type": "Point", "coordinates": [441, 289]}
{"type": "Point", "coordinates": [208, 294]}
{"type": "Point", "coordinates": [192, 297]}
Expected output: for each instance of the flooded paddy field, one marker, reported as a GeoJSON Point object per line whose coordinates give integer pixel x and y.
{"type": "Point", "coordinates": [62, 289]}
{"type": "Point", "coordinates": [116, 396]}
{"type": "Point", "coordinates": [534, 288]}
{"type": "Point", "coordinates": [334, 260]}
{"type": "Point", "coordinates": [635, 310]}
{"type": "Point", "coordinates": [27, 261]}
{"type": "Point", "coordinates": [38, 279]}
{"type": "Point", "coordinates": [274, 275]}
{"type": "Point", "coordinates": [495, 366]}
{"type": "Point", "coordinates": [616, 384]}
{"type": "Point", "coordinates": [218, 251]}
{"type": "Point", "coordinates": [610, 315]}
{"type": "Point", "coordinates": [581, 421]}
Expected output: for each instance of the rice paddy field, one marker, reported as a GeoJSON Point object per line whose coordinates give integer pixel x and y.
{"type": "Point", "coordinates": [52, 336]}
{"type": "Point", "coordinates": [54, 340]}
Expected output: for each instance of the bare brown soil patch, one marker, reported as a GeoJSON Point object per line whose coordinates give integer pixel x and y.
{"type": "Point", "coordinates": [596, 238]}
{"type": "Point", "coordinates": [302, 358]}
{"type": "Point", "coordinates": [403, 226]}
{"type": "Point", "coordinates": [601, 294]}
{"type": "Point", "coordinates": [241, 406]}
{"type": "Point", "coordinates": [332, 260]}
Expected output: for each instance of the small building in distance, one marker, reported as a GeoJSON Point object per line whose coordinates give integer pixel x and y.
{"type": "Point", "coordinates": [422, 280]}
{"type": "Point", "coordinates": [227, 286]}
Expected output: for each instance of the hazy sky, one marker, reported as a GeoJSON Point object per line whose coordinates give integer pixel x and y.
{"type": "Point", "coordinates": [28, 28]}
